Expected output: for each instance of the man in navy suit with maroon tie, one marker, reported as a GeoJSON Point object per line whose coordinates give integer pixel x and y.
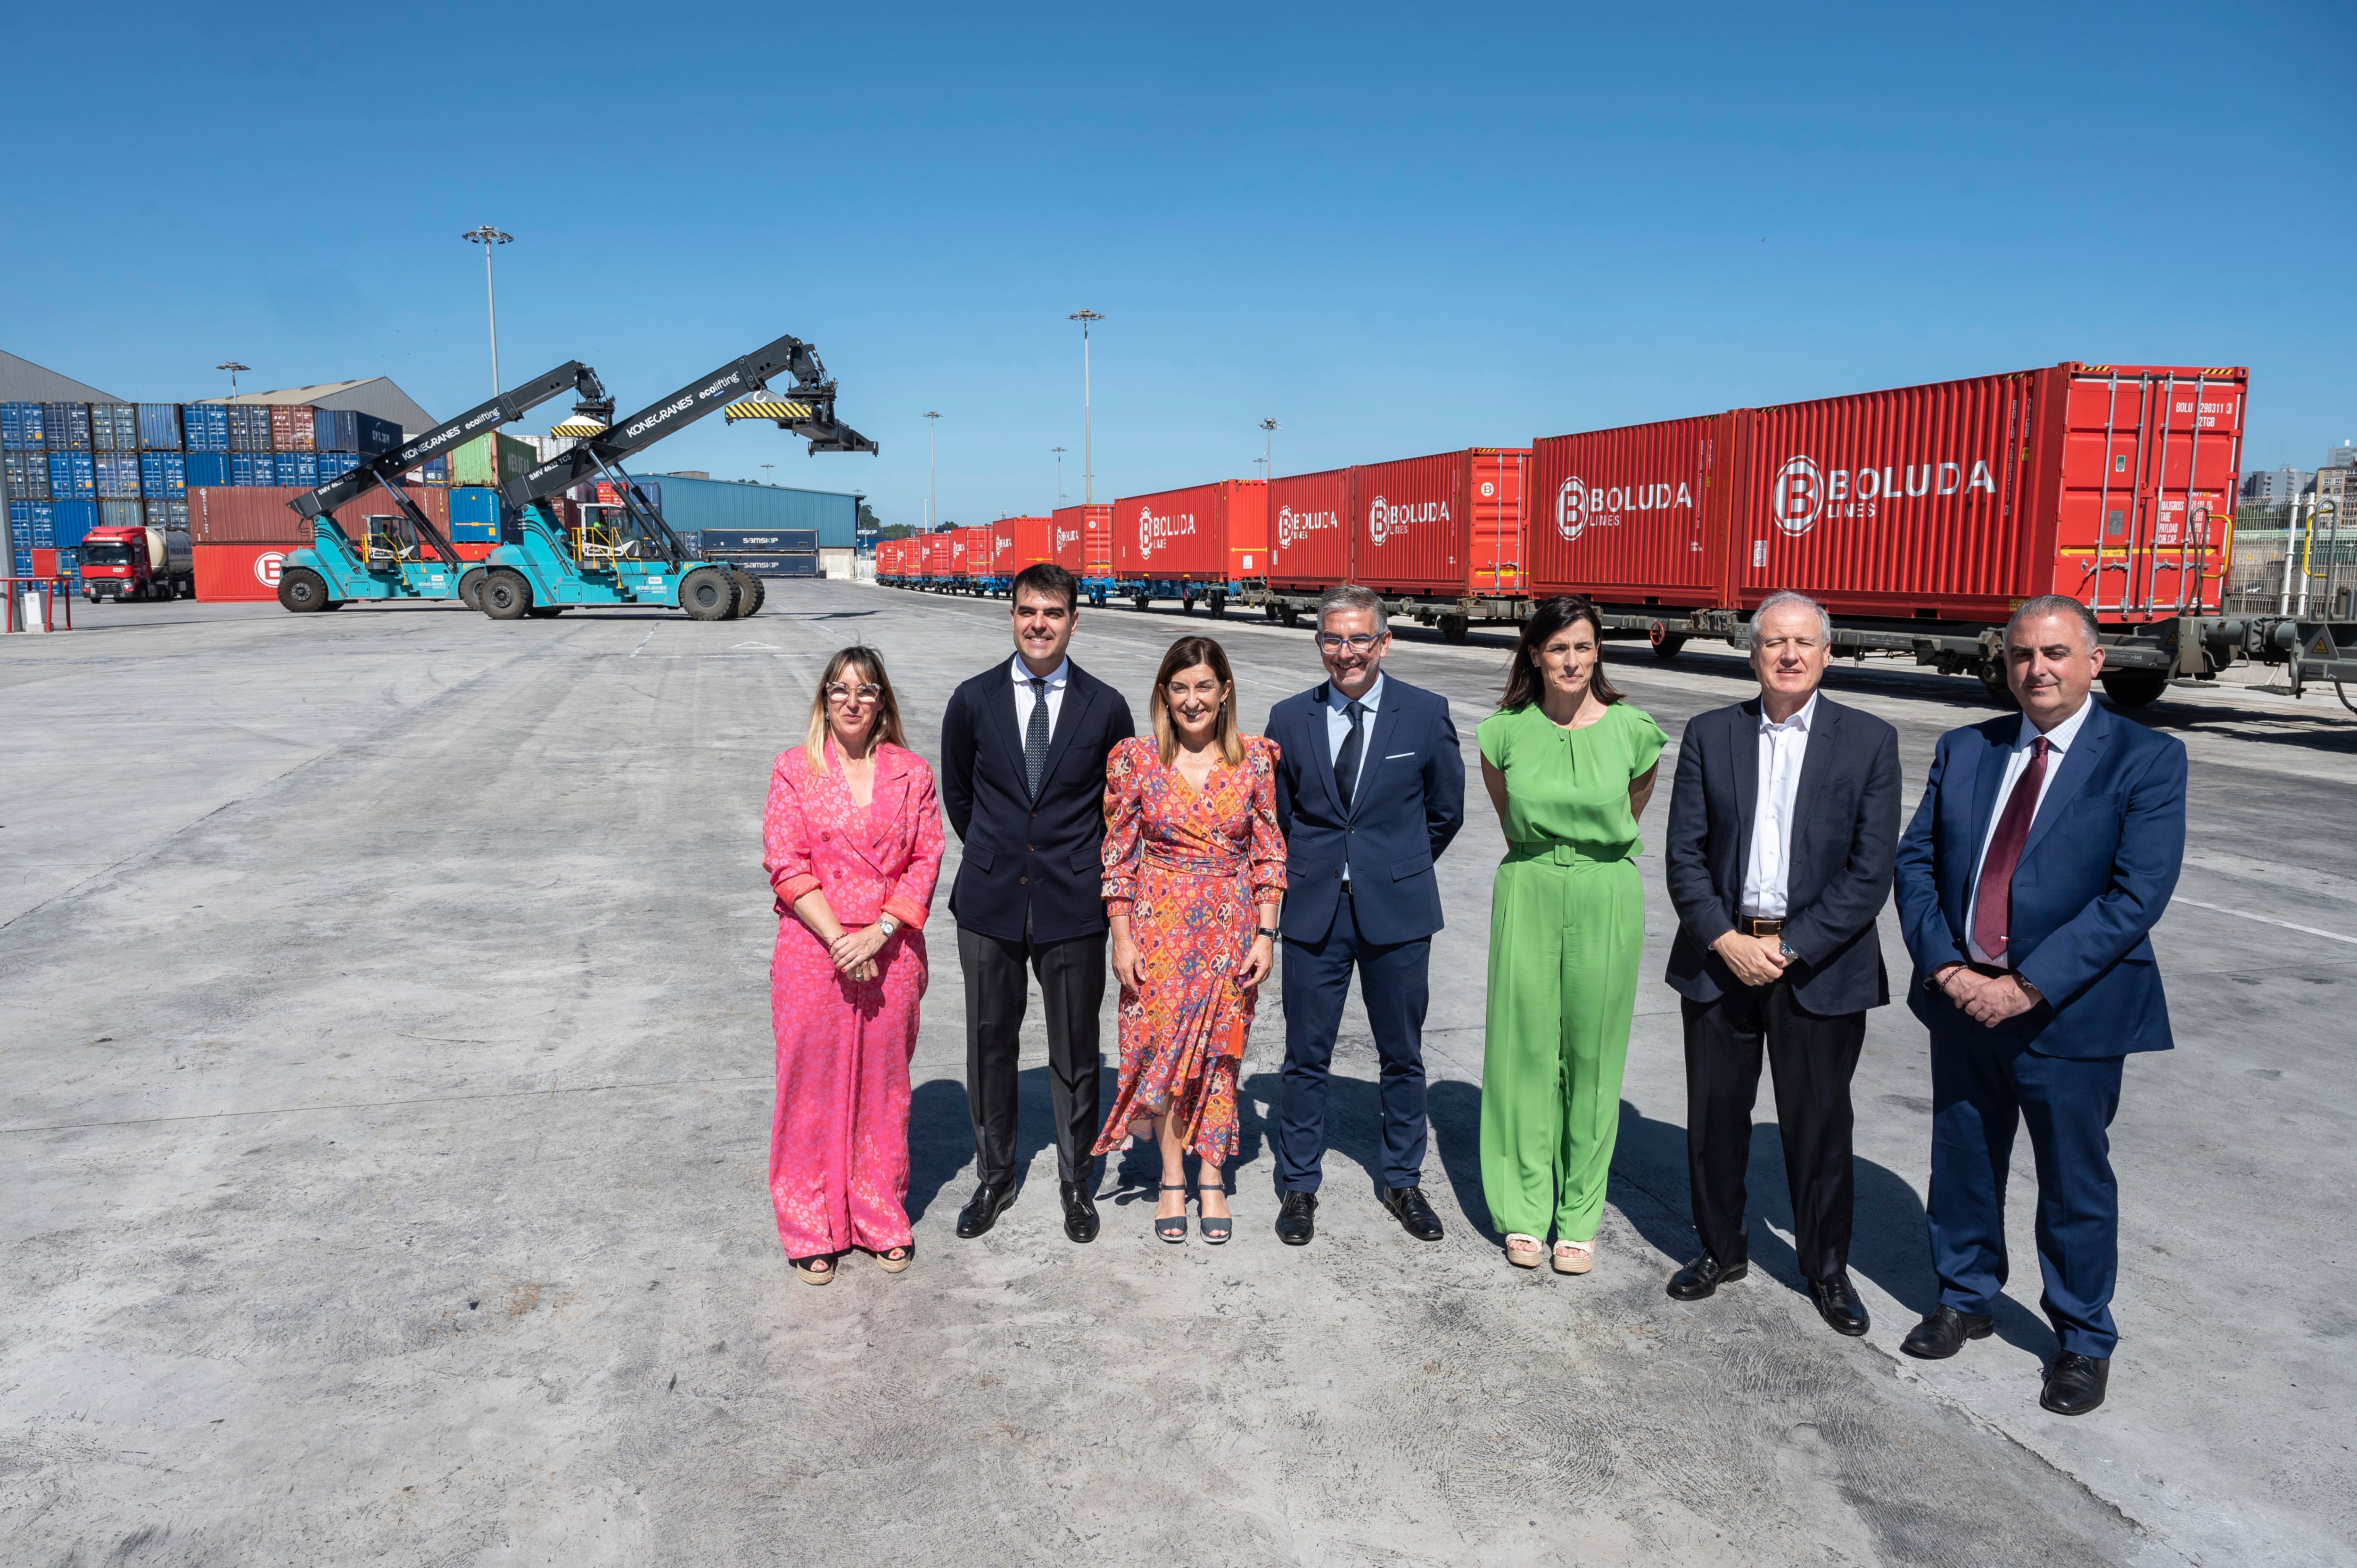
{"type": "Point", "coordinates": [2042, 856]}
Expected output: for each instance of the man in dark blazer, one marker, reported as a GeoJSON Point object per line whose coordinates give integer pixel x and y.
{"type": "Point", "coordinates": [1023, 766]}
{"type": "Point", "coordinates": [2044, 852]}
{"type": "Point", "coordinates": [1782, 823]}
{"type": "Point", "coordinates": [1369, 789]}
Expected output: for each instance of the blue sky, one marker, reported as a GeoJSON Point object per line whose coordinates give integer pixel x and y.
{"type": "Point", "coordinates": [1393, 232]}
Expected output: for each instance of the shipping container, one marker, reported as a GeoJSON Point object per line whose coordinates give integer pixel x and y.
{"type": "Point", "coordinates": [246, 515]}
{"type": "Point", "coordinates": [204, 426]}
{"type": "Point", "coordinates": [32, 524]}
{"type": "Point", "coordinates": [974, 560]}
{"type": "Point", "coordinates": [293, 428]}
{"type": "Point", "coordinates": [702, 505]}
{"type": "Point", "coordinates": [255, 469]}
{"type": "Point", "coordinates": [249, 427]}
{"type": "Point", "coordinates": [159, 427]}
{"type": "Point", "coordinates": [775, 565]}
{"type": "Point", "coordinates": [173, 514]}
{"type": "Point", "coordinates": [604, 492]}
{"type": "Point", "coordinates": [940, 555]}
{"type": "Point", "coordinates": [117, 475]}
{"type": "Point", "coordinates": [760, 541]}
{"type": "Point", "coordinates": [71, 520]}
{"type": "Point", "coordinates": [114, 427]}
{"type": "Point", "coordinates": [204, 468]}
{"type": "Point", "coordinates": [1016, 542]}
{"type": "Point", "coordinates": [122, 514]}
{"type": "Point", "coordinates": [1083, 540]}
{"type": "Point", "coordinates": [473, 549]}
{"type": "Point", "coordinates": [491, 458]}
{"type": "Point", "coordinates": [474, 507]}
{"type": "Point", "coordinates": [73, 476]}
{"type": "Point", "coordinates": [298, 470]}
{"type": "Point", "coordinates": [349, 430]}
{"type": "Point", "coordinates": [1949, 502]}
{"type": "Point", "coordinates": [65, 426]}
{"type": "Point", "coordinates": [336, 464]}
{"type": "Point", "coordinates": [232, 572]}
{"type": "Point", "coordinates": [1203, 534]}
{"type": "Point", "coordinates": [20, 427]}
{"type": "Point", "coordinates": [1309, 532]}
{"type": "Point", "coordinates": [1438, 527]}
{"type": "Point", "coordinates": [27, 474]}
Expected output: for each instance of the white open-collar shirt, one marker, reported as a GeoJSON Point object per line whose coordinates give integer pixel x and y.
{"type": "Point", "coordinates": [1766, 874]}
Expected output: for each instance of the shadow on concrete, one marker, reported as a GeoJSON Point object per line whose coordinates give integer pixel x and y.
{"type": "Point", "coordinates": [940, 1140]}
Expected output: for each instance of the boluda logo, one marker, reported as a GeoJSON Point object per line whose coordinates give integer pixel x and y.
{"type": "Point", "coordinates": [1576, 505]}
{"type": "Point", "coordinates": [1295, 526]}
{"type": "Point", "coordinates": [268, 566]}
{"type": "Point", "coordinates": [1154, 531]}
{"type": "Point", "coordinates": [1063, 538]}
{"type": "Point", "coordinates": [1803, 492]}
{"type": "Point", "coordinates": [1385, 521]}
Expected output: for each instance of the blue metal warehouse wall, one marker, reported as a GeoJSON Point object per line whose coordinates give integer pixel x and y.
{"type": "Point", "coordinates": [693, 505]}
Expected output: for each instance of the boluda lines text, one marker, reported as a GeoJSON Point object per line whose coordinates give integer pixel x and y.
{"type": "Point", "coordinates": [1153, 531]}
{"type": "Point", "coordinates": [1292, 526]}
{"type": "Point", "coordinates": [1386, 520]}
{"type": "Point", "coordinates": [1803, 491]}
{"type": "Point", "coordinates": [1577, 507]}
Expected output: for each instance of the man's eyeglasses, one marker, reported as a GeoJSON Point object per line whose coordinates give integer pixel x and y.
{"type": "Point", "coordinates": [1357, 642]}
{"type": "Point", "coordinates": [836, 691]}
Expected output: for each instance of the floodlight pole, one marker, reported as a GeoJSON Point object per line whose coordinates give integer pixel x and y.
{"type": "Point", "coordinates": [487, 236]}
{"type": "Point", "coordinates": [1088, 434]}
{"type": "Point", "coordinates": [932, 469]}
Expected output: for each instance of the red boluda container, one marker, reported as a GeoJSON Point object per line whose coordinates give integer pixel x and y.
{"type": "Point", "coordinates": [973, 558]}
{"type": "Point", "coordinates": [1016, 542]}
{"type": "Point", "coordinates": [1205, 534]}
{"type": "Point", "coordinates": [1082, 539]}
{"type": "Point", "coordinates": [234, 573]}
{"type": "Point", "coordinates": [1309, 531]}
{"type": "Point", "coordinates": [942, 552]}
{"type": "Point", "coordinates": [1622, 516]}
{"type": "Point", "coordinates": [1443, 526]}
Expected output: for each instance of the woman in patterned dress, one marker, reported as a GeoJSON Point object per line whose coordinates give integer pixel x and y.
{"type": "Point", "coordinates": [853, 840]}
{"type": "Point", "coordinates": [1194, 866]}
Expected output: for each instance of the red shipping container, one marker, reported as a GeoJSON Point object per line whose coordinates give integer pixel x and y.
{"type": "Point", "coordinates": [1309, 532]}
{"type": "Point", "coordinates": [1200, 534]}
{"type": "Point", "coordinates": [1626, 517]}
{"type": "Point", "coordinates": [976, 561]}
{"type": "Point", "coordinates": [1083, 540]}
{"type": "Point", "coordinates": [1016, 542]}
{"type": "Point", "coordinates": [942, 552]}
{"type": "Point", "coordinates": [238, 572]}
{"type": "Point", "coordinates": [294, 427]}
{"type": "Point", "coordinates": [1442, 526]}
{"type": "Point", "coordinates": [256, 514]}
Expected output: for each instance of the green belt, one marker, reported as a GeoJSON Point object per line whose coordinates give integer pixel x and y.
{"type": "Point", "coordinates": [1566, 853]}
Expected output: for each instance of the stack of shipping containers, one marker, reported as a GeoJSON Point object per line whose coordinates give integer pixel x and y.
{"type": "Point", "coordinates": [1009, 545]}
{"type": "Point", "coordinates": [1083, 546]}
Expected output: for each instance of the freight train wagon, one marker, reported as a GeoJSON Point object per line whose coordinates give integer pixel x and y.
{"type": "Point", "coordinates": [1083, 546]}
{"type": "Point", "coordinates": [1920, 517]}
{"type": "Point", "coordinates": [1008, 546]}
{"type": "Point", "coordinates": [1207, 541]}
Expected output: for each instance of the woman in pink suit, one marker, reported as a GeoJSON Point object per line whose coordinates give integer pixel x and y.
{"type": "Point", "coordinates": [854, 842]}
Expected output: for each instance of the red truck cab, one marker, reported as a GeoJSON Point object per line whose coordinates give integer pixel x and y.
{"type": "Point", "coordinates": [137, 563]}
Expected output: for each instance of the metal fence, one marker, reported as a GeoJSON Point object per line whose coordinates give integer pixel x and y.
{"type": "Point", "coordinates": [2322, 583]}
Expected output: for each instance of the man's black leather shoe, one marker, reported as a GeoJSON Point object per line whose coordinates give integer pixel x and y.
{"type": "Point", "coordinates": [1838, 1304]}
{"type": "Point", "coordinates": [1414, 1211]}
{"type": "Point", "coordinates": [1297, 1222]}
{"type": "Point", "coordinates": [1080, 1210]}
{"type": "Point", "coordinates": [983, 1209]}
{"type": "Point", "coordinates": [2074, 1384]}
{"type": "Point", "coordinates": [1943, 1333]}
{"type": "Point", "coordinates": [1703, 1276]}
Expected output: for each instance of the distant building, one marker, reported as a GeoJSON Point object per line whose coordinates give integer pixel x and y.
{"type": "Point", "coordinates": [375, 395]}
{"type": "Point", "coordinates": [21, 381]}
{"type": "Point", "coordinates": [2275, 487]}
{"type": "Point", "coordinates": [2341, 456]}
{"type": "Point", "coordinates": [2338, 484]}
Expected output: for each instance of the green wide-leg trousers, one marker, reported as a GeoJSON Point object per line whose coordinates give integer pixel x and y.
{"type": "Point", "coordinates": [1565, 934]}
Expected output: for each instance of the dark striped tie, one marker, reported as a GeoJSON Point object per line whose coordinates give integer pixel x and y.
{"type": "Point", "coordinates": [1035, 737]}
{"type": "Point", "coordinates": [1346, 761]}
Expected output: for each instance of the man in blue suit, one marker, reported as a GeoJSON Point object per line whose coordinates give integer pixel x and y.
{"type": "Point", "coordinates": [1369, 789]}
{"type": "Point", "coordinates": [2044, 850]}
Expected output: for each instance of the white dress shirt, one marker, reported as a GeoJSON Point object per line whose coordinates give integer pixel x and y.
{"type": "Point", "coordinates": [2059, 740]}
{"type": "Point", "coordinates": [1338, 730]}
{"type": "Point", "coordinates": [1057, 681]}
{"type": "Point", "coordinates": [1766, 874]}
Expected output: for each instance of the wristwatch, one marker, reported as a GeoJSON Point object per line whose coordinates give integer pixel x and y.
{"type": "Point", "coordinates": [1264, 932]}
{"type": "Point", "coordinates": [888, 925]}
{"type": "Point", "coordinates": [1786, 949]}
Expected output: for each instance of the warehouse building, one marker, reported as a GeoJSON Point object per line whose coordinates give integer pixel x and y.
{"type": "Point", "coordinates": [376, 395]}
{"type": "Point", "coordinates": [21, 381]}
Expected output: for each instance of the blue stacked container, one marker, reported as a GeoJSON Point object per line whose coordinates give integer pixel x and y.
{"type": "Point", "coordinates": [474, 515]}
{"type": "Point", "coordinates": [72, 477]}
{"type": "Point", "coordinates": [249, 427]}
{"type": "Point", "coordinates": [168, 514]}
{"type": "Point", "coordinates": [297, 469]}
{"type": "Point", "coordinates": [20, 427]}
{"type": "Point", "coordinates": [71, 520]}
{"type": "Point", "coordinates": [159, 427]}
{"type": "Point", "coordinates": [163, 476]}
{"type": "Point", "coordinates": [252, 468]}
{"type": "Point", "coordinates": [117, 476]}
{"type": "Point", "coordinates": [70, 568]}
{"type": "Point", "coordinates": [205, 426]}
{"type": "Point", "coordinates": [336, 464]}
{"type": "Point", "coordinates": [208, 468]}
{"type": "Point", "coordinates": [65, 426]}
{"type": "Point", "coordinates": [27, 475]}
{"type": "Point", "coordinates": [33, 525]}
{"type": "Point", "coordinates": [114, 427]}
{"type": "Point", "coordinates": [122, 514]}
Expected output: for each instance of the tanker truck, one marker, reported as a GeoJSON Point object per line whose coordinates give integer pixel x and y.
{"type": "Point", "coordinates": [137, 563]}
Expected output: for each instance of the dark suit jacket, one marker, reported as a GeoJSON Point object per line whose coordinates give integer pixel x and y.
{"type": "Point", "coordinates": [1026, 860]}
{"type": "Point", "coordinates": [1844, 832]}
{"type": "Point", "coordinates": [1409, 803]}
{"type": "Point", "coordinates": [2100, 863]}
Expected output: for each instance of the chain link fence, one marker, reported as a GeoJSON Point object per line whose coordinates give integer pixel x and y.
{"type": "Point", "coordinates": [2323, 566]}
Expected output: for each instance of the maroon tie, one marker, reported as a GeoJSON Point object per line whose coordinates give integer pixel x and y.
{"type": "Point", "coordinates": [1992, 908]}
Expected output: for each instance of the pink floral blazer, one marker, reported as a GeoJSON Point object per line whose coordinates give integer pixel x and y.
{"type": "Point", "coordinates": [882, 861]}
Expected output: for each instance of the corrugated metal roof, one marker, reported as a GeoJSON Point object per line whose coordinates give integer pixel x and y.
{"type": "Point", "coordinates": [21, 381]}
{"type": "Point", "coordinates": [374, 394]}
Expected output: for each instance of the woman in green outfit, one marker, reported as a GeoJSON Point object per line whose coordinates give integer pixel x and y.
{"type": "Point", "coordinates": [1569, 766]}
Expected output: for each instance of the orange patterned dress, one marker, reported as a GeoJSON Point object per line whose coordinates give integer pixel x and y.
{"type": "Point", "coordinates": [1188, 868]}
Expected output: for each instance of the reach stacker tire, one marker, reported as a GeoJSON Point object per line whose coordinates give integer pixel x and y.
{"type": "Point", "coordinates": [2134, 688]}
{"type": "Point", "coordinates": [470, 589]}
{"type": "Point", "coordinates": [708, 594]}
{"type": "Point", "coordinates": [505, 595]}
{"type": "Point", "coordinates": [546, 612]}
{"type": "Point", "coordinates": [303, 591]}
{"type": "Point", "coordinates": [750, 595]}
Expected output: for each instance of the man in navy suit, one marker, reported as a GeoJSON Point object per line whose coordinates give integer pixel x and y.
{"type": "Point", "coordinates": [2041, 857]}
{"type": "Point", "coordinates": [1781, 830]}
{"type": "Point", "coordinates": [1369, 789]}
{"type": "Point", "coordinates": [1023, 765]}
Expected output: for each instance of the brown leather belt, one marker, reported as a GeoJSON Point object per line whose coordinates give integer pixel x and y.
{"type": "Point", "coordinates": [1750, 927]}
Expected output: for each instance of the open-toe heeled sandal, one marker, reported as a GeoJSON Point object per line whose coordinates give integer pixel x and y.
{"type": "Point", "coordinates": [1524, 1252]}
{"type": "Point", "coordinates": [1216, 1228]}
{"type": "Point", "coordinates": [892, 1260]}
{"type": "Point", "coordinates": [1574, 1257]}
{"type": "Point", "coordinates": [818, 1270]}
{"type": "Point", "coordinates": [1175, 1228]}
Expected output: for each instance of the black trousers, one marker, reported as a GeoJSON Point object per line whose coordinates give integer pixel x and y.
{"type": "Point", "coordinates": [1073, 983]}
{"type": "Point", "coordinates": [1812, 1059]}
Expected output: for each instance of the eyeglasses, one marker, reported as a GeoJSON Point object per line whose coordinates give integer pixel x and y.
{"type": "Point", "coordinates": [1357, 642]}
{"type": "Point", "coordinates": [836, 691]}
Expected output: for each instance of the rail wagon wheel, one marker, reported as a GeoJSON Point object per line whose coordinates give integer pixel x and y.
{"type": "Point", "coordinates": [2134, 688]}
{"type": "Point", "coordinates": [708, 594]}
{"type": "Point", "coordinates": [505, 596]}
{"type": "Point", "coordinates": [1218, 600]}
{"type": "Point", "coordinates": [1665, 646]}
{"type": "Point", "coordinates": [470, 589]}
{"type": "Point", "coordinates": [1454, 629]}
{"type": "Point", "coordinates": [303, 591]}
{"type": "Point", "coordinates": [1140, 600]}
{"type": "Point", "coordinates": [1993, 681]}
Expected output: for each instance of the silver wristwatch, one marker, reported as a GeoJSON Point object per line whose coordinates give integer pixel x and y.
{"type": "Point", "coordinates": [888, 925]}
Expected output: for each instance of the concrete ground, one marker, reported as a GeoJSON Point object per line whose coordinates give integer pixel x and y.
{"type": "Point", "coordinates": [387, 1077]}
